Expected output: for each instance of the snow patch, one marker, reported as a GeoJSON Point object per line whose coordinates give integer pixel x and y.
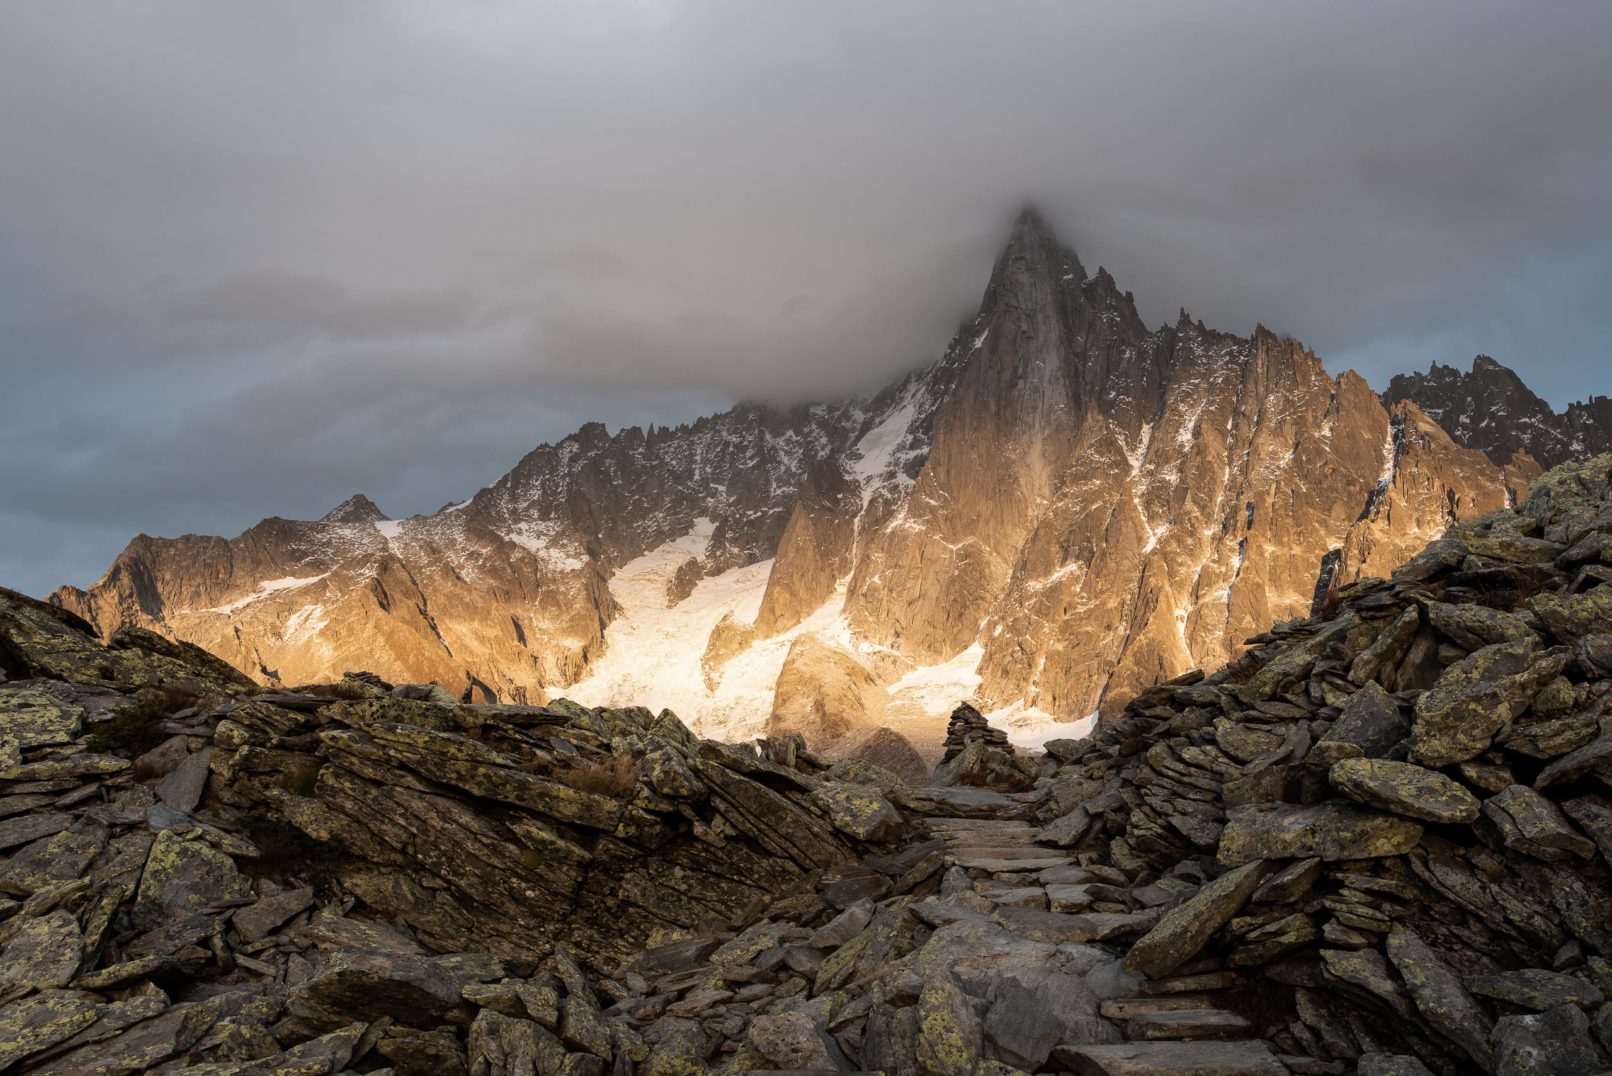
{"type": "Point", "coordinates": [537, 538]}
{"type": "Point", "coordinates": [272, 586]}
{"type": "Point", "coordinates": [937, 689]}
{"type": "Point", "coordinates": [1390, 456]}
{"type": "Point", "coordinates": [1030, 727]}
{"type": "Point", "coordinates": [652, 652]}
{"type": "Point", "coordinates": [1137, 455]}
{"type": "Point", "coordinates": [304, 624]}
{"type": "Point", "coordinates": [878, 447]}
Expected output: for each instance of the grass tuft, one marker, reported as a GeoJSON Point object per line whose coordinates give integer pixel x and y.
{"type": "Point", "coordinates": [615, 777]}
{"type": "Point", "coordinates": [302, 778]}
{"type": "Point", "coordinates": [284, 851]}
{"type": "Point", "coordinates": [136, 727]}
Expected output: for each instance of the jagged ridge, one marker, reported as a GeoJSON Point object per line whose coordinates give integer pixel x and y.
{"type": "Point", "coordinates": [1063, 509]}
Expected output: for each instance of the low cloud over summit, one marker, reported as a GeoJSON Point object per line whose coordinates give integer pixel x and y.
{"type": "Point", "coordinates": [257, 256]}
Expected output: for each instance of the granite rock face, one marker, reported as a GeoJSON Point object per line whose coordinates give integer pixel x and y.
{"type": "Point", "coordinates": [1065, 508]}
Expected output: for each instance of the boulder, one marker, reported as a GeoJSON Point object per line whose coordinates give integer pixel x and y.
{"type": "Point", "coordinates": [1185, 929]}
{"type": "Point", "coordinates": [1570, 617]}
{"type": "Point", "coordinates": [182, 788]}
{"type": "Point", "coordinates": [1440, 996]}
{"type": "Point", "coordinates": [499, 1044]}
{"type": "Point", "coordinates": [949, 1029]}
{"type": "Point", "coordinates": [1527, 822]}
{"type": "Point", "coordinates": [1371, 720]}
{"type": "Point", "coordinates": [1404, 789]}
{"type": "Point", "coordinates": [1476, 626]}
{"type": "Point", "coordinates": [1171, 1059]}
{"type": "Point", "coordinates": [1327, 831]}
{"type": "Point", "coordinates": [1556, 1042]}
{"type": "Point", "coordinates": [41, 1021]}
{"type": "Point", "coordinates": [1537, 989]}
{"type": "Point", "coordinates": [1477, 698]}
{"type": "Point", "coordinates": [42, 953]}
{"type": "Point", "coordinates": [859, 811]}
{"type": "Point", "coordinates": [413, 991]}
{"type": "Point", "coordinates": [184, 873]}
{"type": "Point", "coordinates": [791, 1041]}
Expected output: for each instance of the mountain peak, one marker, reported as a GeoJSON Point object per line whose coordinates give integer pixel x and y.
{"type": "Point", "coordinates": [355, 509]}
{"type": "Point", "coordinates": [1033, 253]}
{"type": "Point", "coordinates": [1031, 232]}
{"type": "Point", "coordinates": [1031, 220]}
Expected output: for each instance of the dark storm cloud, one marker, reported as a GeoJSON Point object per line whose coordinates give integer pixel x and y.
{"type": "Point", "coordinates": [256, 256]}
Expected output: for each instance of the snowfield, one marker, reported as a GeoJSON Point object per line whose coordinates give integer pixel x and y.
{"type": "Point", "coordinates": [653, 651]}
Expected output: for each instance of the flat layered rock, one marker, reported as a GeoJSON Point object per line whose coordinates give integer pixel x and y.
{"type": "Point", "coordinates": [1185, 929]}
{"type": "Point", "coordinates": [1440, 996]}
{"type": "Point", "coordinates": [1054, 927]}
{"type": "Point", "coordinates": [955, 802]}
{"type": "Point", "coordinates": [1327, 831]}
{"type": "Point", "coordinates": [1404, 789]}
{"type": "Point", "coordinates": [995, 864]}
{"type": "Point", "coordinates": [973, 849]}
{"type": "Point", "coordinates": [1187, 1024]}
{"type": "Point", "coordinates": [1477, 698]}
{"type": "Point", "coordinates": [1247, 1058]}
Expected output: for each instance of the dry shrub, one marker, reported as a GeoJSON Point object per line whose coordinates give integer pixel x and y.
{"type": "Point", "coordinates": [615, 777]}
{"type": "Point", "coordinates": [136, 726]}
{"type": "Point", "coordinates": [145, 771]}
{"type": "Point", "coordinates": [284, 852]}
{"type": "Point", "coordinates": [173, 697]}
{"type": "Point", "coordinates": [302, 778]}
{"type": "Point", "coordinates": [347, 690]}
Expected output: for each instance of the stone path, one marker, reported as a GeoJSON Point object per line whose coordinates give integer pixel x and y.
{"type": "Point", "coordinates": [1042, 893]}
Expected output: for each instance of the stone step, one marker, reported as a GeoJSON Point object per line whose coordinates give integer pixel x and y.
{"type": "Point", "coordinates": [980, 823]}
{"type": "Point", "coordinates": [1010, 851]}
{"type": "Point", "coordinates": [1187, 1024]}
{"type": "Point", "coordinates": [1020, 897]}
{"type": "Point", "coordinates": [997, 837]}
{"type": "Point", "coordinates": [1187, 984]}
{"type": "Point", "coordinates": [989, 834]}
{"type": "Point", "coordinates": [1129, 1008]}
{"type": "Point", "coordinates": [998, 865]}
{"type": "Point", "coordinates": [1250, 1057]}
{"type": "Point", "coordinates": [1037, 925]}
{"type": "Point", "coordinates": [959, 802]}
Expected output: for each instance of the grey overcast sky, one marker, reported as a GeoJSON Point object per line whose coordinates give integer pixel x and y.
{"type": "Point", "coordinates": [258, 255]}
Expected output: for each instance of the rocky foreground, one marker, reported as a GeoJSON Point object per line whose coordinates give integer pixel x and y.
{"type": "Point", "coordinates": [1376, 843]}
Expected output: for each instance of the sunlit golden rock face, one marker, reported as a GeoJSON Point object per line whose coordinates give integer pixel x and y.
{"type": "Point", "coordinates": [1063, 509]}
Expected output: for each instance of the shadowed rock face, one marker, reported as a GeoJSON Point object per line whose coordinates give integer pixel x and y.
{"type": "Point", "coordinates": [1094, 505]}
{"type": "Point", "coordinates": [166, 822]}
{"type": "Point", "coordinates": [1490, 409]}
{"type": "Point", "coordinates": [483, 827]}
